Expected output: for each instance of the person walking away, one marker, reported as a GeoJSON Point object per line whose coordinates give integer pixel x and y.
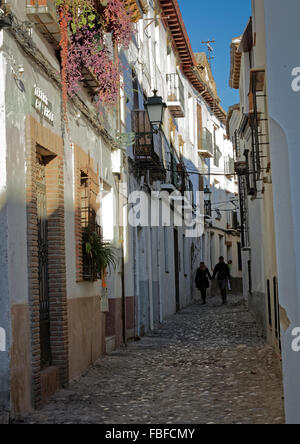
{"type": "Point", "coordinates": [222, 273]}
{"type": "Point", "coordinates": [202, 282]}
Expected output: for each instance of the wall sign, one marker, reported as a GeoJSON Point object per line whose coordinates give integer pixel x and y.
{"type": "Point", "coordinates": [42, 105]}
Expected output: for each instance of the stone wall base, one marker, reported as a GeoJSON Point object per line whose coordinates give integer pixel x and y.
{"type": "Point", "coordinates": [257, 307]}
{"type": "Point", "coordinates": [49, 383]}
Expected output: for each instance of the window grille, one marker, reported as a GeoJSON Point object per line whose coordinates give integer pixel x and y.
{"type": "Point", "coordinates": [88, 197]}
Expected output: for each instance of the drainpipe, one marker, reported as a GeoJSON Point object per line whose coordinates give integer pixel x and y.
{"type": "Point", "coordinates": [150, 278]}
{"type": "Point", "coordinates": [124, 317]}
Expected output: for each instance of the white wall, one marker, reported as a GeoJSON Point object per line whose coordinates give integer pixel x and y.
{"type": "Point", "coordinates": [282, 49]}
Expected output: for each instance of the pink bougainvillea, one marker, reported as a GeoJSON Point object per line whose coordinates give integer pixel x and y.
{"type": "Point", "coordinates": [88, 52]}
{"type": "Point", "coordinates": [118, 21]}
{"type": "Point", "coordinates": [85, 46]}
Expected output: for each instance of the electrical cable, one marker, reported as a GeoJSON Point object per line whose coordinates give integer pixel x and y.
{"type": "Point", "coordinates": [199, 173]}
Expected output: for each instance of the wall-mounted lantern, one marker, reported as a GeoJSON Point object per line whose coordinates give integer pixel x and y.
{"type": "Point", "coordinates": [207, 201]}
{"type": "Point", "coordinates": [155, 108]}
{"type": "Point", "coordinates": [5, 19]}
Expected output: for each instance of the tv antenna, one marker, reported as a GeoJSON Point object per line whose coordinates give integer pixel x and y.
{"type": "Point", "coordinates": [210, 49]}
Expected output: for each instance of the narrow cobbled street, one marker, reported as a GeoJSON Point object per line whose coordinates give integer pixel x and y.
{"type": "Point", "coordinates": [207, 364]}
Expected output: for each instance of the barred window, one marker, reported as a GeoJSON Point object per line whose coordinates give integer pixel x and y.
{"type": "Point", "coordinates": [88, 200]}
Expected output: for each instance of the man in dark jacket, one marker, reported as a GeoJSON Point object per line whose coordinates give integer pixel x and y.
{"type": "Point", "coordinates": [223, 275]}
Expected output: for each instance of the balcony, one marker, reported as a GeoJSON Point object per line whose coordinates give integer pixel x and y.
{"type": "Point", "coordinates": [217, 156]}
{"type": "Point", "coordinates": [147, 147]}
{"type": "Point", "coordinates": [175, 100]}
{"type": "Point", "coordinates": [206, 149]}
{"type": "Point", "coordinates": [43, 14]}
{"type": "Point", "coordinates": [229, 167]}
{"type": "Point", "coordinates": [176, 173]}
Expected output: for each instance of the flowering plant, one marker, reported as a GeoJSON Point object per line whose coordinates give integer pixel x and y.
{"type": "Point", "coordinates": [85, 46]}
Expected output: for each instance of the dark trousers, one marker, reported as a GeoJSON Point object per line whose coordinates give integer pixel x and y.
{"type": "Point", "coordinates": [222, 286]}
{"type": "Point", "coordinates": [203, 294]}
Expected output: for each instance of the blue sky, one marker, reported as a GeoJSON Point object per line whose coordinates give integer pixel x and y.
{"type": "Point", "coordinates": [218, 20]}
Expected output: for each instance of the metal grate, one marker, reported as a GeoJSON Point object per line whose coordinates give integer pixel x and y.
{"type": "Point", "coordinates": [143, 146]}
{"type": "Point", "coordinates": [44, 299]}
{"type": "Point", "coordinates": [175, 89]}
{"type": "Point", "coordinates": [88, 220]}
{"type": "Point", "coordinates": [229, 166]}
{"type": "Point", "coordinates": [207, 141]}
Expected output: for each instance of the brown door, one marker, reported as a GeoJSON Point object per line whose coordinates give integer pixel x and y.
{"type": "Point", "coordinates": [43, 263]}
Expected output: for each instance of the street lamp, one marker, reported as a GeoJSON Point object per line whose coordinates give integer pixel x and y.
{"type": "Point", "coordinates": [207, 201]}
{"type": "Point", "coordinates": [155, 108]}
{"type": "Point", "coordinates": [5, 19]}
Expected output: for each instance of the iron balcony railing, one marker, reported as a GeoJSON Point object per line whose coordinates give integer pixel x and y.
{"type": "Point", "coordinates": [44, 15]}
{"type": "Point", "coordinates": [41, 6]}
{"type": "Point", "coordinates": [175, 89]}
{"type": "Point", "coordinates": [147, 146]}
{"type": "Point", "coordinates": [207, 142]}
{"type": "Point", "coordinates": [229, 166]}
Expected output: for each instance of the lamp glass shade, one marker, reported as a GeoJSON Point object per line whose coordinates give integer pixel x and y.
{"type": "Point", "coordinates": [155, 108]}
{"type": "Point", "coordinates": [155, 113]}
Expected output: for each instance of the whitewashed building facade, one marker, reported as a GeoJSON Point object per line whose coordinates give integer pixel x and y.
{"type": "Point", "coordinates": [56, 319]}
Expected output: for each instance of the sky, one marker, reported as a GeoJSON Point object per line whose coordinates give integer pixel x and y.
{"type": "Point", "coordinates": [221, 21]}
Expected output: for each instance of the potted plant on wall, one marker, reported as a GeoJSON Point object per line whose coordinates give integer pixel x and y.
{"type": "Point", "coordinates": [102, 256]}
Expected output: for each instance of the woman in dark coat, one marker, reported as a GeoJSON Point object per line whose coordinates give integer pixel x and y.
{"type": "Point", "coordinates": [202, 282]}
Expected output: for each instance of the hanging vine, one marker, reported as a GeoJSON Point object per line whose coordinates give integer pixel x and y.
{"type": "Point", "coordinates": [89, 34]}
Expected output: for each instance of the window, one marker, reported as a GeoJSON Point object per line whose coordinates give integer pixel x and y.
{"type": "Point", "coordinates": [235, 222]}
{"type": "Point", "coordinates": [221, 245]}
{"type": "Point", "coordinates": [240, 256]}
{"type": "Point", "coordinates": [157, 47]}
{"type": "Point", "coordinates": [191, 120]}
{"type": "Point", "coordinates": [207, 141]}
{"type": "Point", "coordinates": [199, 127]}
{"type": "Point", "coordinates": [250, 276]}
{"type": "Point", "coordinates": [88, 205]}
{"type": "Point", "coordinates": [135, 88]}
{"type": "Point", "coordinates": [217, 152]}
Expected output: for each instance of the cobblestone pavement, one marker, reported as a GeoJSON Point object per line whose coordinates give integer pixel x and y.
{"type": "Point", "coordinates": [207, 364]}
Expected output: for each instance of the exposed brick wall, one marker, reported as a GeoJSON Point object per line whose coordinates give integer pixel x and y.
{"type": "Point", "coordinates": [37, 135]}
{"type": "Point", "coordinates": [57, 266]}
